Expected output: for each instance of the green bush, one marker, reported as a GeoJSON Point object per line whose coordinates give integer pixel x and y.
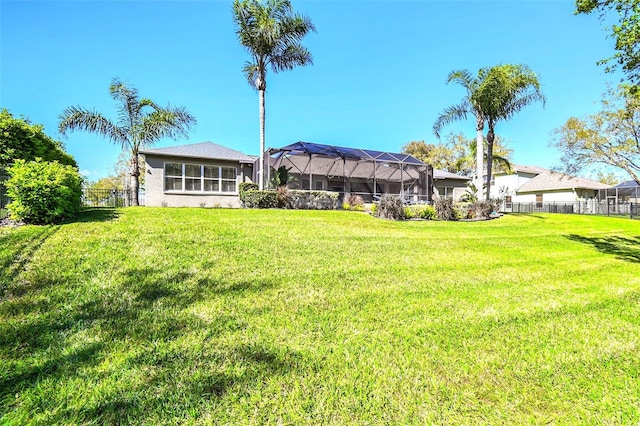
{"type": "Point", "coordinates": [390, 207]}
{"type": "Point", "coordinates": [256, 199]}
{"type": "Point", "coordinates": [43, 192]}
{"type": "Point", "coordinates": [246, 186]}
{"type": "Point", "coordinates": [421, 211]}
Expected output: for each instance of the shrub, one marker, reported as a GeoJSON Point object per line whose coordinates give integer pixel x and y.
{"type": "Point", "coordinates": [244, 187]}
{"type": "Point", "coordinates": [444, 208]}
{"type": "Point", "coordinates": [353, 202]}
{"type": "Point", "coordinates": [282, 197]}
{"type": "Point", "coordinates": [374, 209]}
{"type": "Point", "coordinates": [319, 200]}
{"type": "Point", "coordinates": [43, 192]}
{"type": "Point", "coordinates": [421, 211]}
{"type": "Point", "coordinates": [409, 212]}
{"type": "Point", "coordinates": [390, 207]}
{"type": "Point", "coordinates": [483, 209]}
{"type": "Point", "coordinates": [259, 199]}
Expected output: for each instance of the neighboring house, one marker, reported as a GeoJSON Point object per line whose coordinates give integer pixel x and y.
{"type": "Point", "coordinates": [201, 174]}
{"type": "Point", "coordinates": [529, 184]}
{"type": "Point", "coordinates": [449, 185]}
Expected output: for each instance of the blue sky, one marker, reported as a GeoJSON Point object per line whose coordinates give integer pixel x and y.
{"type": "Point", "coordinates": [378, 79]}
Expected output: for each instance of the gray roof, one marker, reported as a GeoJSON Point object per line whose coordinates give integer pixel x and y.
{"type": "Point", "coordinates": [627, 184]}
{"type": "Point", "coordinates": [441, 174]}
{"type": "Point", "coordinates": [207, 150]}
{"type": "Point", "coordinates": [551, 180]}
{"type": "Point", "coordinates": [529, 169]}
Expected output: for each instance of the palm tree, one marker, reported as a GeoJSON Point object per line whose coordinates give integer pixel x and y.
{"type": "Point", "coordinates": [504, 91]}
{"type": "Point", "coordinates": [468, 106]}
{"type": "Point", "coordinates": [272, 33]}
{"type": "Point", "coordinates": [141, 123]}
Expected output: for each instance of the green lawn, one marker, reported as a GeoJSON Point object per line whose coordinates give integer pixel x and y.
{"type": "Point", "coordinates": [171, 316]}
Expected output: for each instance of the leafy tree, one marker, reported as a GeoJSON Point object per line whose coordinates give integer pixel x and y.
{"type": "Point", "coordinates": [505, 91]}
{"type": "Point", "coordinates": [468, 106]}
{"type": "Point", "coordinates": [457, 154]}
{"type": "Point", "coordinates": [141, 123]}
{"type": "Point", "coordinates": [19, 139]}
{"type": "Point", "coordinates": [608, 178]}
{"type": "Point", "coordinates": [626, 33]}
{"type": "Point", "coordinates": [272, 34]}
{"type": "Point", "coordinates": [611, 136]}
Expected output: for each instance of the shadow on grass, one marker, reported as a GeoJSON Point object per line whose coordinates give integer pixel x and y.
{"type": "Point", "coordinates": [624, 248]}
{"type": "Point", "coordinates": [16, 251]}
{"type": "Point", "coordinates": [102, 214]}
{"type": "Point", "coordinates": [143, 318]}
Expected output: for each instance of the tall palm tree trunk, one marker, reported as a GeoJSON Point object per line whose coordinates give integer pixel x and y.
{"type": "Point", "coordinates": [135, 181]}
{"type": "Point", "coordinates": [490, 138]}
{"type": "Point", "coordinates": [262, 132]}
{"type": "Point", "coordinates": [479, 155]}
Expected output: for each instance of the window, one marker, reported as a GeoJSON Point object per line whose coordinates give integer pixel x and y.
{"type": "Point", "coordinates": [539, 201]}
{"type": "Point", "coordinates": [199, 178]}
{"type": "Point", "coordinates": [172, 177]}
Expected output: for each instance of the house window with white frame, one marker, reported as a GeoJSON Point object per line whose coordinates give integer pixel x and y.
{"type": "Point", "coordinates": [199, 178]}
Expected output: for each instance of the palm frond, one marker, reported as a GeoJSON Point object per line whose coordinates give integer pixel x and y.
{"type": "Point", "coordinates": [128, 113]}
{"type": "Point", "coordinates": [164, 122]}
{"type": "Point", "coordinates": [79, 118]}
{"type": "Point", "coordinates": [292, 56]}
{"type": "Point", "coordinates": [463, 78]}
{"type": "Point", "coordinates": [452, 114]}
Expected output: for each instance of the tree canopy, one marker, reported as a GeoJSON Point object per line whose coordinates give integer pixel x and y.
{"type": "Point", "coordinates": [457, 154]}
{"type": "Point", "coordinates": [626, 33]}
{"type": "Point", "coordinates": [22, 140]}
{"type": "Point", "coordinates": [611, 136]}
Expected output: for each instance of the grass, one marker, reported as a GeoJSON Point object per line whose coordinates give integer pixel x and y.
{"type": "Point", "coordinates": [199, 316]}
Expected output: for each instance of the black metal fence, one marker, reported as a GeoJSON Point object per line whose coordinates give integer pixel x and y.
{"type": "Point", "coordinates": [109, 197]}
{"type": "Point", "coordinates": [604, 207]}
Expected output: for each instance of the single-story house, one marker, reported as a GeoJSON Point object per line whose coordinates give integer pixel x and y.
{"type": "Point", "coordinates": [449, 185]}
{"type": "Point", "coordinates": [200, 174]}
{"type": "Point", "coordinates": [530, 184]}
{"type": "Point", "coordinates": [208, 174]}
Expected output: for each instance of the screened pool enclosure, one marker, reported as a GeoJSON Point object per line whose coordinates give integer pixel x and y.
{"type": "Point", "coordinates": [364, 172]}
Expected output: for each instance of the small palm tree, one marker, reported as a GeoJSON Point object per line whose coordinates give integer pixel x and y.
{"type": "Point", "coordinates": [141, 123]}
{"type": "Point", "coordinates": [504, 91]}
{"type": "Point", "coordinates": [272, 33]}
{"type": "Point", "coordinates": [468, 106]}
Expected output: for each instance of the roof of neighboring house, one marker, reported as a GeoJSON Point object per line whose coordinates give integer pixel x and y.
{"type": "Point", "coordinates": [441, 174]}
{"type": "Point", "coordinates": [528, 169]}
{"type": "Point", "coordinates": [550, 180]}
{"type": "Point", "coordinates": [627, 184]}
{"type": "Point", "coordinates": [208, 150]}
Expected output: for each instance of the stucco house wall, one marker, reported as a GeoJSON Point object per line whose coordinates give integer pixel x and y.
{"type": "Point", "coordinates": [194, 176]}
{"type": "Point", "coordinates": [157, 195]}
